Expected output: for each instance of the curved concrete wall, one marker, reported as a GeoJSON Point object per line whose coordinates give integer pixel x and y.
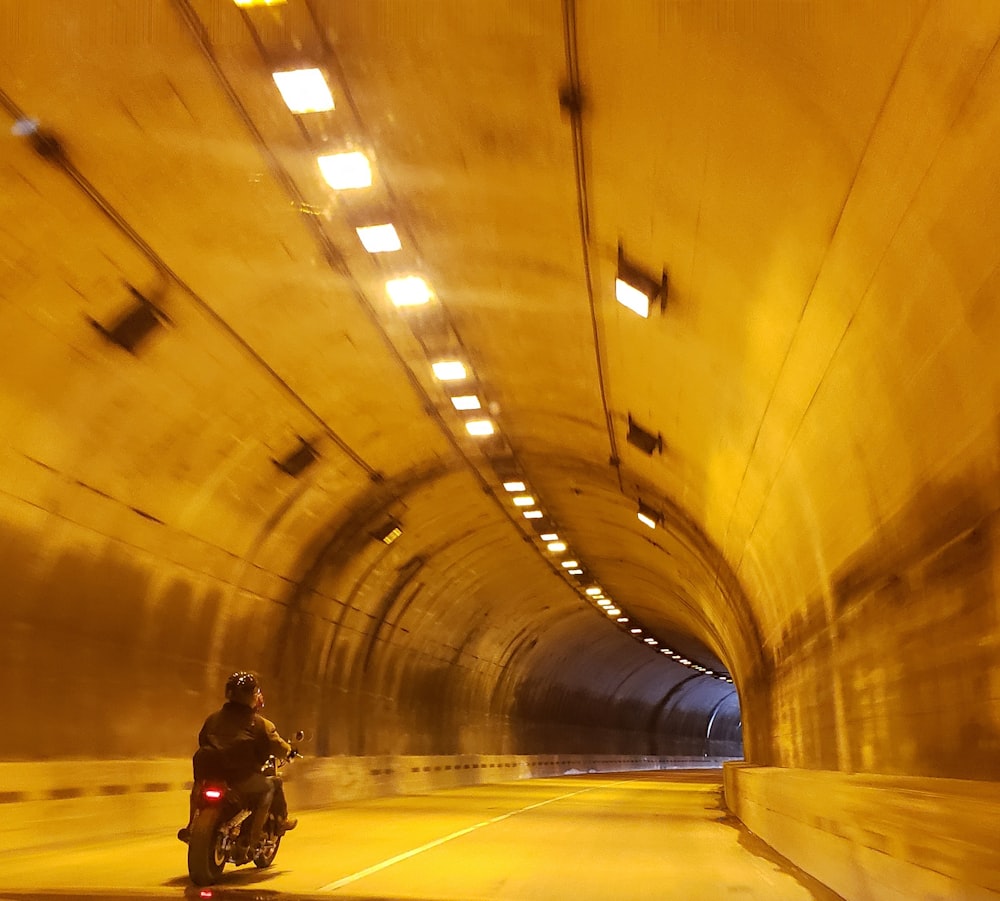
{"type": "Point", "coordinates": [821, 391]}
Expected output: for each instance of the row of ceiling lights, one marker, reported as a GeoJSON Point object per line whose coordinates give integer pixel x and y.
{"type": "Point", "coordinates": [594, 593]}
{"type": "Point", "coordinates": [306, 91]}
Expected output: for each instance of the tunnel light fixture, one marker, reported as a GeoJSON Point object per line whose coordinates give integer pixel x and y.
{"type": "Point", "coordinates": [524, 501]}
{"type": "Point", "coordinates": [410, 291]}
{"type": "Point", "coordinates": [304, 90]}
{"type": "Point", "coordinates": [246, 4]}
{"type": "Point", "coordinates": [685, 661]}
{"type": "Point", "coordinates": [515, 486]}
{"type": "Point", "coordinates": [708, 672]}
{"type": "Point", "coordinates": [379, 238]}
{"type": "Point", "coordinates": [648, 516]}
{"type": "Point", "coordinates": [479, 427]}
{"type": "Point", "coordinates": [636, 290]}
{"type": "Point", "coordinates": [603, 602]}
{"type": "Point", "coordinates": [636, 631]}
{"type": "Point", "coordinates": [594, 590]}
{"type": "Point", "coordinates": [651, 641]}
{"type": "Point", "coordinates": [449, 370]}
{"type": "Point", "coordinates": [532, 514]}
{"type": "Point", "coordinates": [643, 439]}
{"type": "Point", "coordinates": [623, 619]}
{"type": "Point", "coordinates": [466, 402]}
{"type": "Point", "coordinates": [612, 611]}
{"type": "Point", "coordinates": [296, 461]}
{"type": "Point", "coordinates": [549, 536]}
{"type": "Point", "coordinates": [345, 171]}
{"type": "Point", "coordinates": [664, 650]}
{"type": "Point", "coordinates": [569, 564]}
{"type": "Point", "coordinates": [676, 656]}
{"type": "Point", "coordinates": [576, 572]}
{"type": "Point", "coordinates": [388, 532]}
{"type": "Point", "coordinates": [556, 547]}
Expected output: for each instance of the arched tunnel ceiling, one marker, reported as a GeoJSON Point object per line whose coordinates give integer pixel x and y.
{"type": "Point", "coordinates": [821, 198]}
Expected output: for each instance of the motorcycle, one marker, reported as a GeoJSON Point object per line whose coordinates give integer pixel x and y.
{"type": "Point", "coordinates": [219, 832]}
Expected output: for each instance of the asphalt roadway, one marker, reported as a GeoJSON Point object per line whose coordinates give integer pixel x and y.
{"type": "Point", "coordinates": [627, 836]}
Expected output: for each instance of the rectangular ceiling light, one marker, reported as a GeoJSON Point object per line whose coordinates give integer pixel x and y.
{"type": "Point", "coordinates": [346, 170]}
{"type": "Point", "coordinates": [479, 427]}
{"type": "Point", "coordinates": [594, 590]}
{"type": "Point", "coordinates": [631, 297]}
{"type": "Point", "coordinates": [622, 619]}
{"type": "Point", "coordinates": [612, 611]}
{"type": "Point", "coordinates": [524, 501]}
{"type": "Point", "coordinates": [549, 536]}
{"type": "Point", "coordinates": [648, 516]}
{"type": "Point", "coordinates": [514, 486]}
{"type": "Point", "coordinates": [576, 572]}
{"type": "Point", "coordinates": [569, 564]}
{"type": "Point", "coordinates": [557, 547]}
{"type": "Point", "coordinates": [379, 238]}
{"type": "Point", "coordinates": [466, 402]}
{"type": "Point", "coordinates": [449, 370]}
{"type": "Point", "coordinates": [304, 90]}
{"type": "Point", "coordinates": [411, 291]}
{"type": "Point", "coordinates": [532, 514]}
{"type": "Point", "coordinates": [636, 290]}
{"type": "Point", "coordinates": [636, 631]}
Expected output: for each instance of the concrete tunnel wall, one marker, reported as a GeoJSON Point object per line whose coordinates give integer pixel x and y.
{"type": "Point", "coordinates": [830, 493]}
{"type": "Point", "coordinates": [119, 632]}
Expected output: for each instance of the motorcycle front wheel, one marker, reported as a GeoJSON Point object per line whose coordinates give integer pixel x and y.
{"type": "Point", "coordinates": [206, 857]}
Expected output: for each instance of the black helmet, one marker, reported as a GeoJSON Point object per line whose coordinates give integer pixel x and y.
{"type": "Point", "coordinates": [243, 688]}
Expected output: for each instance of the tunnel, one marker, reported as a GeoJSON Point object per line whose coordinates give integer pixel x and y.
{"type": "Point", "coordinates": [563, 385]}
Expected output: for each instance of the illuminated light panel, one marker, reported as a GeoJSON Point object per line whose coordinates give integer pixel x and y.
{"type": "Point", "coordinates": [646, 520]}
{"type": "Point", "coordinates": [576, 572]}
{"type": "Point", "coordinates": [343, 171]}
{"type": "Point", "coordinates": [594, 591]}
{"type": "Point", "coordinates": [604, 602]}
{"type": "Point", "coordinates": [557, 547]}
{"type": "Point", "coordinates": [612, 611]}
{"type": "Point", "coordinates": [411, 291]}
{"type": "Point", "coordinates": [466, 402]}
{"type": "Point", "coordinates": [392, 535]}
{"type": "Point", "coordinates": [479, 427]}
{"type": "Point", "coordinates": [569, 564]}
{"type": "Point", "coordinates": [685, 662]}
{"type": "Point", "coordinates": [532, 514]}
{"type": "Point", "coordinates": [632, 298]}
{"type": "Point", "coordinates": [650, 641]}
{"type": "Point", "coordinates": [623, 619]}
{"type": "Point", "coordinates": [515, 486]}
{"type": "Point", "coordinates": [524, 501]}
{"type": "Point", "coordinates": [246, 4]}
{"type": "Point", "coordinates": [549, 536]}
{"type": "Point", "coordinates": [304, 90]}
{"type": "Point", "coordinates": [379, 238]}
{"type": "Point", "coordinates": [449, 370]}
{"type": "Point", "coordinates": [636, 631]}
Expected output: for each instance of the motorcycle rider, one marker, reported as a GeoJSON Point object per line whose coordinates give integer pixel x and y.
{"type": "Point", "coordinates": [234, 743]}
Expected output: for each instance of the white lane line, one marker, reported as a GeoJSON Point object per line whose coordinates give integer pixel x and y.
{"type": "Point", "coordinates": [368, 871]}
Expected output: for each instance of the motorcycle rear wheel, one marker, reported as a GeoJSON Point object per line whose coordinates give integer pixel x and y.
{"type": "Point", "coordinates": [206, 857]}
{"type": "Point", "coordinates": [265, 856]}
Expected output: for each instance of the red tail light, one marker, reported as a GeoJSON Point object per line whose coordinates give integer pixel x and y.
{"type": "Point", "coordinates": [211, 794]}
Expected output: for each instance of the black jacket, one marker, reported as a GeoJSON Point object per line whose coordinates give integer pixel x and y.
{"type": "Point", "coordinates": [235, 742]}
